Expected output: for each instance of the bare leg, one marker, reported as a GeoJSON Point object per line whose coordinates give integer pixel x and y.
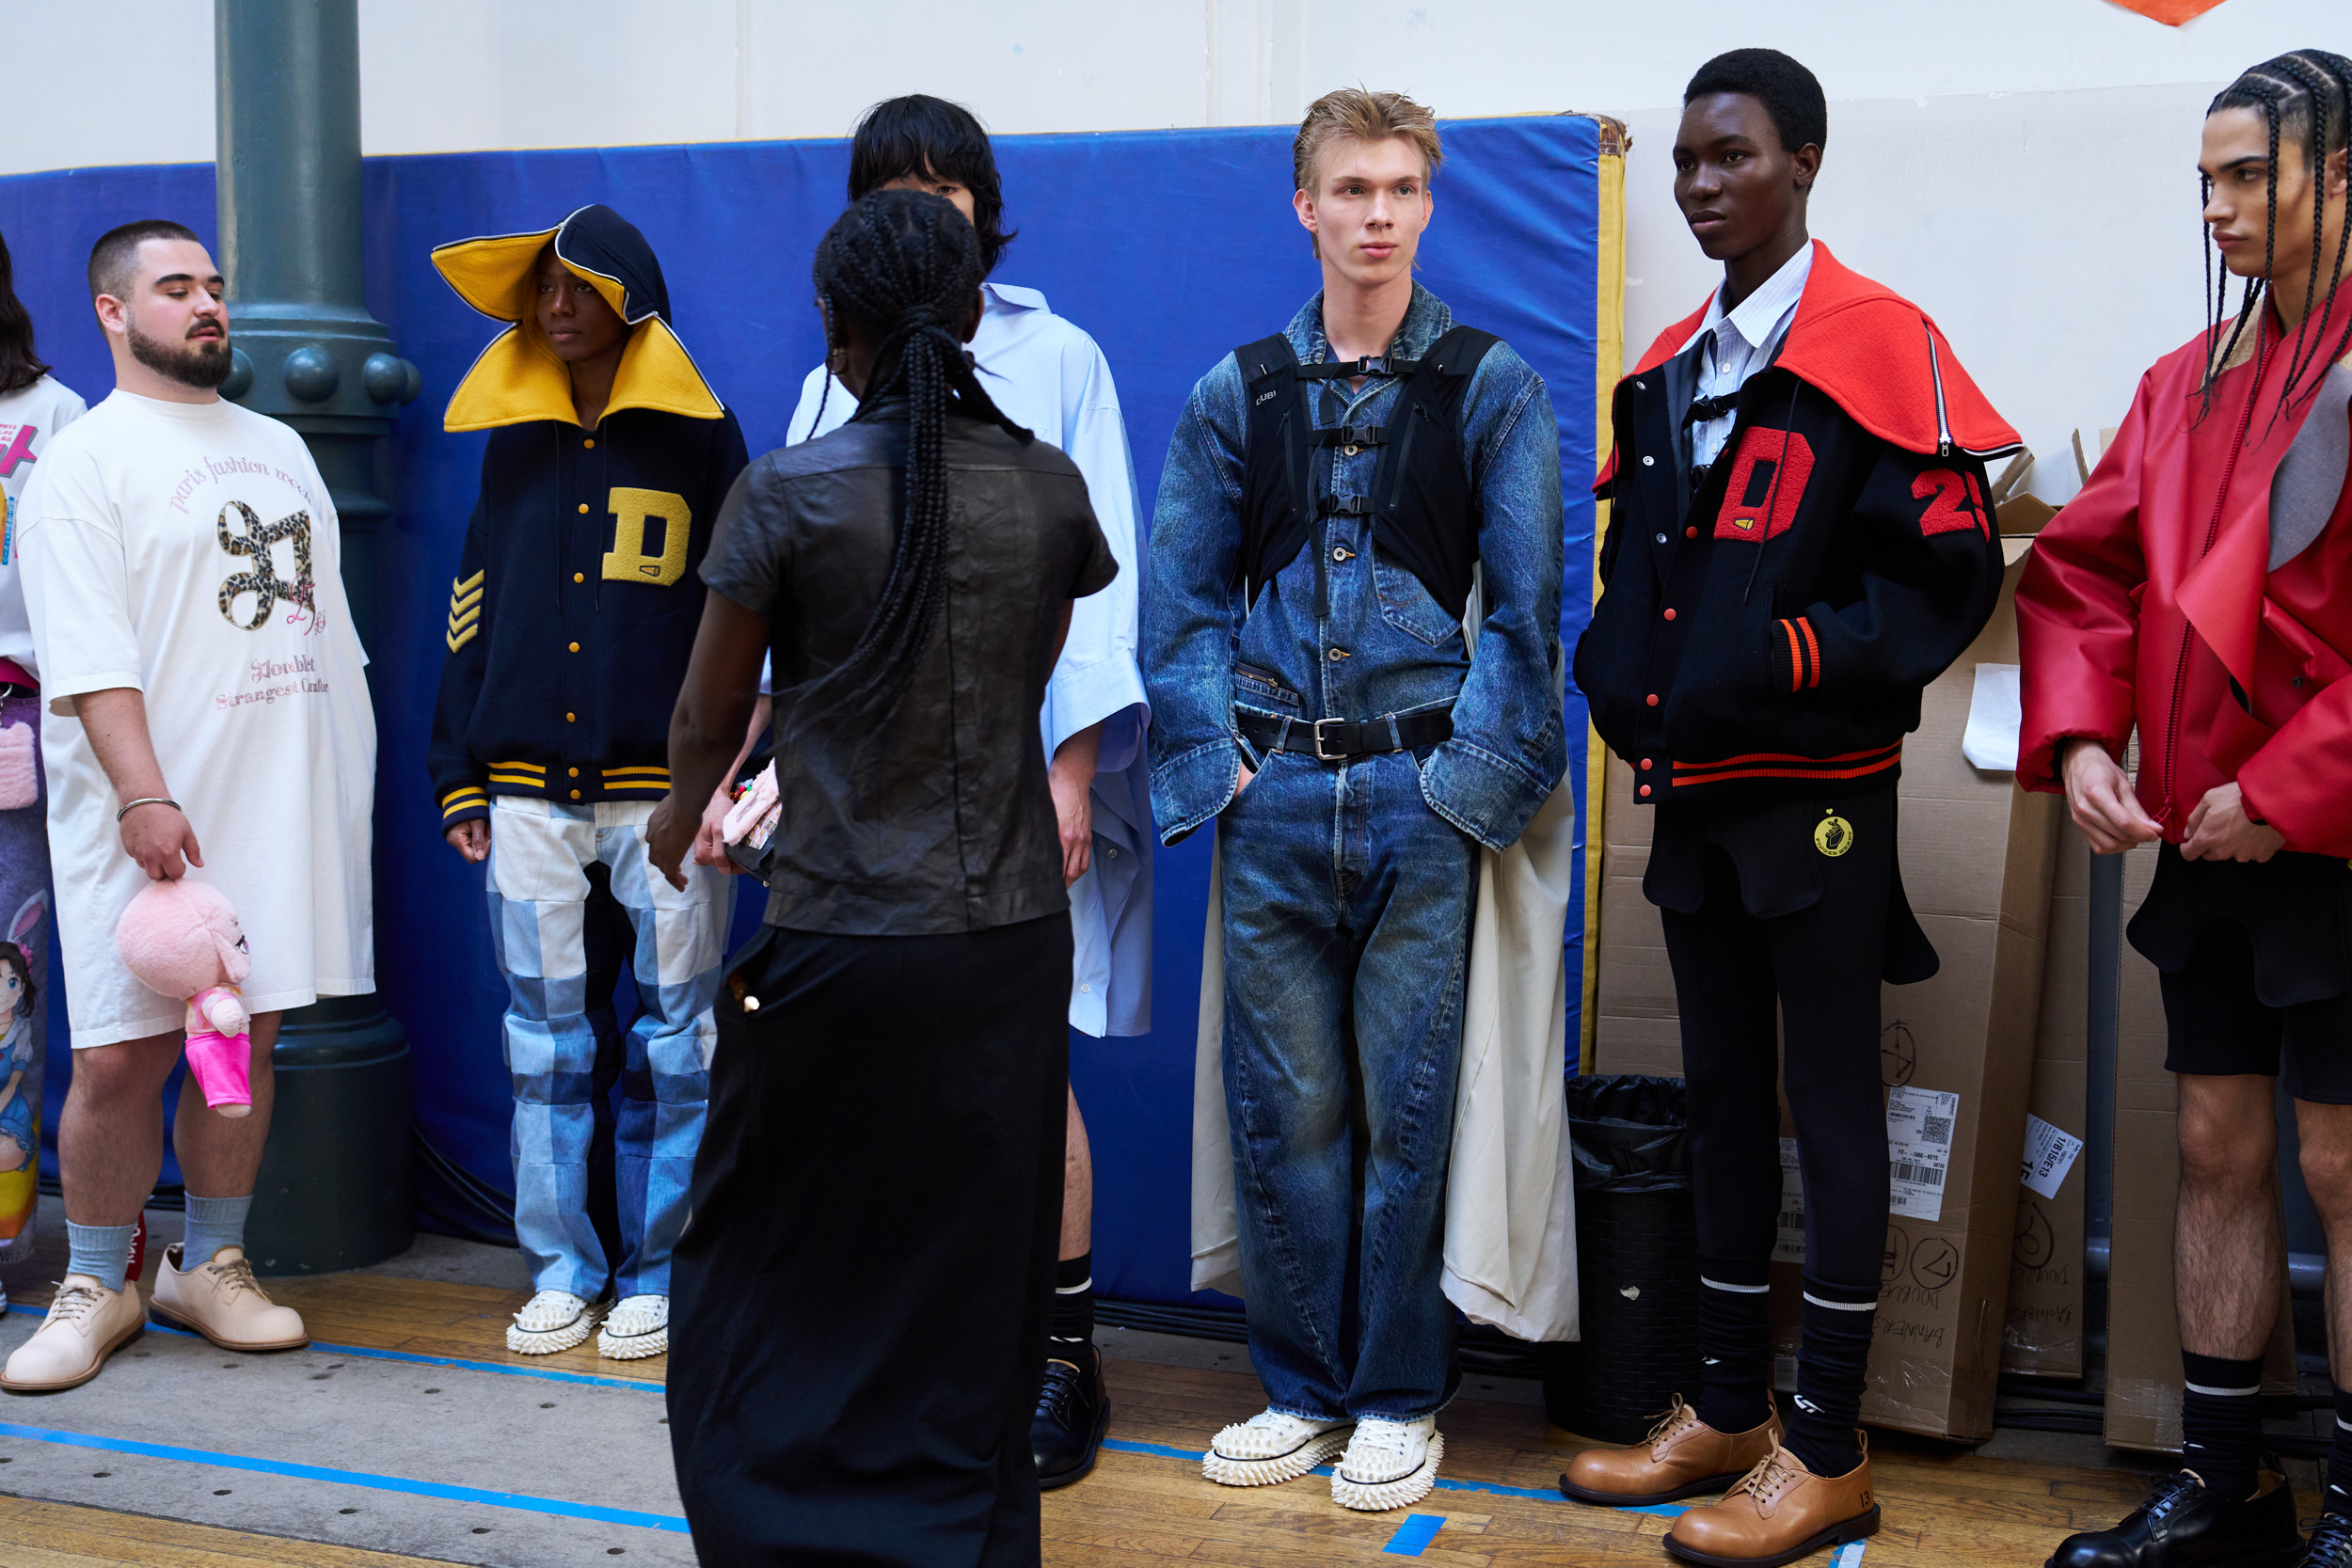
{"type": "Point", "coordinates": [2327, 1138]}
{"type": "Point", "coordinates": [220, 1156]}
{"type": "Point", "coordinates": [2227, 1248]}
{"type": "Point", "coordinates": [1077, 1189]}
{"type": "Point", "coordinates": [110, 1140]}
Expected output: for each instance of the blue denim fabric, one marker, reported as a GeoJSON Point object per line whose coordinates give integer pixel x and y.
{"type": "Point", "coordinates": [1386, 646]}
{"type": "Point", "coordinates": [1347, 919]}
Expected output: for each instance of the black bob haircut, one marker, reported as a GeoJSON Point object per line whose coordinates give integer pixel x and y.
{"type": "Point", "coordinates": [922, 136]}
{"type": "Point", "coordinates": [1792, 95]}
{"type": "Point", "coordinates": [110, 258]}
{"type": "Point", "coordinates": [20, 367]}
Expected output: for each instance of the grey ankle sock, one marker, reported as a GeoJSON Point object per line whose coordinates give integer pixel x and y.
{"type": "Point", "coordinates": [214, 1223]}
{"type": "Point", "coordinates": [101, 1251]}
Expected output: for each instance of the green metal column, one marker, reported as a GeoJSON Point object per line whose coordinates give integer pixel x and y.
{"type": "Point", "coordinates": [334, 1190]}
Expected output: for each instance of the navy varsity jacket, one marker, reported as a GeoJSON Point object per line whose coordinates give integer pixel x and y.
{"type": "Point", "coordinates": [577, 596]}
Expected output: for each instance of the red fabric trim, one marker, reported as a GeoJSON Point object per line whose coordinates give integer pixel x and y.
{"type": "Point", "coordinates": [1805, 624]}
{"type": "Point", "coordinates": [1796, 661]}
{"type": "Point", "coordinates": [1788, 756]}
{"type": "Point", "coordinates": [1790, 773]}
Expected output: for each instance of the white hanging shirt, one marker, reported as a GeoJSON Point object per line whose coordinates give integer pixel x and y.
{"type": "Point", "coordinates": [1746, 338]}
{"type": "Point", "coordinates": [30, 418]}
{"type": "Point", "coordinates": [1047, 374]}
{"type": "Point", "coordinates": [190, 551]}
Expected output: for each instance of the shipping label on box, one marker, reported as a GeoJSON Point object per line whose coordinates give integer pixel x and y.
{"type": "Point", "coordinates": [1919, 1150]}
{"type": "Point", "coordinates": [2049, 1155]}
{"type": "Point", "coordinates": [2041, 1332]}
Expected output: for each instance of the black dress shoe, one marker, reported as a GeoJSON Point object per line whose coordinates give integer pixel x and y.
{"type": "Point", "coordinates": [2182, 1525]}
{"type": "Point", "coordinates": [2330, 1545]}
{"type": "Point", "coordinates": [1072, 1410]}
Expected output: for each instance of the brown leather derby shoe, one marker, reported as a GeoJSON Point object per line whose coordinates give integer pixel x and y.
{"type": "Point", "coordinates": [1777, 1513]}
{"type": "Point", "coordinates": [1682, 1457]}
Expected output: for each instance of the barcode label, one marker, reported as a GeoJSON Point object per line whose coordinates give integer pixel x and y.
{"type": "Point", "coordinates": [1904, 1170]}
{"type": "Point", "coordinates": [1936, 1129]}
{"type": "Point", "coordinates": [1919, 1125]}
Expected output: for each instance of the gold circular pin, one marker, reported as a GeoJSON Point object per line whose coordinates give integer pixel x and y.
{"type": "Point", "coordinates": [1832, 835]}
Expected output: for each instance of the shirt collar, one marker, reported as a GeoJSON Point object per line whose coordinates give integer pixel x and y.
{"type": "Point", "coordinates": [1011, 296]}
{"type": "Point", "coordinates": [1758, 318]}
{"type": "Point", "coordinates": [1426, 320]}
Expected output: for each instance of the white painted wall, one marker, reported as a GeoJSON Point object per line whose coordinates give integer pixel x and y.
{"type": "Point", "coordinates": [2022, 168]}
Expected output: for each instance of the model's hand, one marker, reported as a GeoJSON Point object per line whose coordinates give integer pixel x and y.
{"type": "Point", "coordinates": [2219, 829]}
{"type": "Point", "coordinates": [1074, 814]}
{"type": "Point", "coordinates": [710, 839]}
{"type": "Point", "coordinates": [157, 836]}
{"type": "Point", "coordinates": [2101, 799]}
{"type": "Point", "coordinates": [472, 839]}
{"type": "Point", "coordinates": [669, 835]}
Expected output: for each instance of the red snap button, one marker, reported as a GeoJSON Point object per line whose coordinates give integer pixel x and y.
{"type": "Point", "coordinates": [1690, 534]}
{"type": "Point", "coordinates": [1645, 789]}
{"type": "Point", "coordinates": [1646, 764]}
{"type": "Point", "coordinates": [1651, 699]}
{"type": "Point", "coordinates": [1670, 616]}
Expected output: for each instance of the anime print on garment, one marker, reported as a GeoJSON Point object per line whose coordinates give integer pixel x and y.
{"type": "Point", "coordinates": [571, 617]}
{"type": "Point", "coordinates": [1767, 623]}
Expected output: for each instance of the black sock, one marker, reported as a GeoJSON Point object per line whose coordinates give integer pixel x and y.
{"type": "Point", "coordinates": [1735, 1346]}
{"type": "Point", "coordinates": [2221, 1421]}
{"type": "Point", "coordinates": [1073, 1303]}
{"type": "Point", "coordinates": [2339, 1495]}
{"type": "Point", "coordinates": [1840, 1320]}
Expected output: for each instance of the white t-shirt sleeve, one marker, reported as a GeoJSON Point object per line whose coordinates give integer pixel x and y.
{"type": "Point", "coordinates": [78, 583]}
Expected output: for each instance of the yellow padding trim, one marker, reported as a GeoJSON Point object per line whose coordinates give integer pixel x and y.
{"type": "Point", "coordinates": [617, 772]}
{"type": "Point", "coordinates": [460, 620]}
{"type": "Point", "coordinates": [465, 802]}
{"type": "Point", "coordinates": [463, 601]}
{"type": "Point", "coordinates": [457, 640]}
{"type": "Point", "coordinates": [518, 380]}
{"type": "Point", "coordinates": [513, 779]}
{"type": "Point", "coordinates": [520, 768]}
{"type": "Point", "coordinates": [469, 585]}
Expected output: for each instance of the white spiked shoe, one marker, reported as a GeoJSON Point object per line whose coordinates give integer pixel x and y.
{"type": "Point", "coordinates": [637, 1326]}
{"type": "Point", "coordinates": [1388, 1464]}
{"type": "Point", "coordinates": [1271, 1448]}
{"type": "Point", "coordinates": [549, 1321]}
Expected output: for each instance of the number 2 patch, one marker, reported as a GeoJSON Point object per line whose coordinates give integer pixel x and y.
{"type": "Point", "coordinates": [1958, 503]}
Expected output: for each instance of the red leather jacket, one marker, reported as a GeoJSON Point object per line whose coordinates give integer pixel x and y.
{"type": "Point", "coordinates": [2150, 600]}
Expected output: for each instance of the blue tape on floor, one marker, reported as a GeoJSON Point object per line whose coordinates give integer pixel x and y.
{"type": "Point", "coordinates": [349, 1477]}
{"type": "Point", "coordinates": [1414, 1534]}
{"type": "Point", "coordinates": [1849, 1556]}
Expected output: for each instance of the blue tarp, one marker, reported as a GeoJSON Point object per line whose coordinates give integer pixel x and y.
{"type": "Point", "coordinates": [1170, 247]}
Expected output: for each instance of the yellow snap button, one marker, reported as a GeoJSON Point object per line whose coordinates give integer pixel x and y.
{"type": "Point", "coordinates": [575, 647]}
{"type": "Point", "coordinates": [583, 508]}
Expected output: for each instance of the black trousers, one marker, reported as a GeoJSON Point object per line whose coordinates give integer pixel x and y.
{"type": "Point", "coordinates": [860, 1306]}
{"type": "Point", "coordinates": [1786, 911]}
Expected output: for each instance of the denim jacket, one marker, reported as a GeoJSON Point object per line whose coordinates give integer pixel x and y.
{"type": "Point", "coordinates": [1385, 646]}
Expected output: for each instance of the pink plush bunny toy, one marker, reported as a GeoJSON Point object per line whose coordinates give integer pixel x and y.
{"type": "Point", "coordinates": [182, 938]}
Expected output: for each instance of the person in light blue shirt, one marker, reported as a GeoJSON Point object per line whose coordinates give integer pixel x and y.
{"type": "Point", "coordinates": [1048, 375]}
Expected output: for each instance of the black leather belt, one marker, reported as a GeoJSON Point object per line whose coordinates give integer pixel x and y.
{"type": "Point", "coordinates": [1343, 739]}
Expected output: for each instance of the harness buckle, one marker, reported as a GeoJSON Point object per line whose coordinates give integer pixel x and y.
{"type": "Point", "coordinates": [1322, 755]}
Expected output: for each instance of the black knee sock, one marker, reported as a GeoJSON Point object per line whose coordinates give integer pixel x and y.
{"type": "Point", "coordinates": [1839, 1322]}
{"type": "Point", "coordinates": [2221, 1421]}
{"type": "Point", "coordinates": [1073, 1303]}
{"type": "Point", "coordinates": [1735, 1347]}
{"type": "Point", "coordinates": [2339, 1495]}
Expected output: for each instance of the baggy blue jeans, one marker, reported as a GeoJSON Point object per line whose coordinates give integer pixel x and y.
{"type": "Point", "coordinates": [1347, 919]}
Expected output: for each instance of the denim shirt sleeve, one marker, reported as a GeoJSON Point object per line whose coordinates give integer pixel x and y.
{"type": "Point", "coordinates": [1510, 746]}
{"type": "Point", "coordinates": [1188, 613]}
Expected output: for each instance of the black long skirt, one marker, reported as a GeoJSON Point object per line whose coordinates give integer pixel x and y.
{"type": "Point", "coordinates": [860, 1299]}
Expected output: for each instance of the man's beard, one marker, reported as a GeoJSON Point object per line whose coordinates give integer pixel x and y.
{"type": "Point", "coordinates": [203, 364]}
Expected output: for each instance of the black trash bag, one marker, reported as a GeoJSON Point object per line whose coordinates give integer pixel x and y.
{"type": "Point", "coordinates": [1629, 1134]}
{"type": "Point", "coordinates": [1637, 1260]}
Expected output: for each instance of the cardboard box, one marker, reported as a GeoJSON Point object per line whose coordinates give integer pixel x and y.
{"type": "Point", "coordinates": [2042, 1335]}
{"type": "Point", "coordinates": [1977, 855]}
{"type": "Point", "coordinates": [2143, 1408]}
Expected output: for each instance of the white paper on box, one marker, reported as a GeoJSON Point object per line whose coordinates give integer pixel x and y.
{"type": "Point", "coordinates": [2049, 1155]}
{"type": "Point", "coordinates": [1995, 710]}
{"type": "Point", "coordinates": [1788, 1243]}
{"type": "Point", "coordinates": [1920, 1150]}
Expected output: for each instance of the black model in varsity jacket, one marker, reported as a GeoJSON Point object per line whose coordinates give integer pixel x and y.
{"type": "Point", "coordinates": [1766, 624]}
{"type": "Point", "coordinates": [575, 599]}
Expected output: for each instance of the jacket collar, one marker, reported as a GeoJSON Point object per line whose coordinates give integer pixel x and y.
{"type": "Point", "coordinates": [1426, 320]}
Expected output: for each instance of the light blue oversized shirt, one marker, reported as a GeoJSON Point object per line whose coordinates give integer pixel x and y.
{"type": "Point", "coordinates": [1047, 375]}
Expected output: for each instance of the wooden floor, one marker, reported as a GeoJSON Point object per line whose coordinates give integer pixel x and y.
{"type": "Point", "coordinates": [1146, 1502]}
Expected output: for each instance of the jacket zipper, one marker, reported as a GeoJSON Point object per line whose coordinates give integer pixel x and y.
{"type": "Point", "coordinates": [2212, 531]}
{"type": "Point", "coordinates": [1943, 421]}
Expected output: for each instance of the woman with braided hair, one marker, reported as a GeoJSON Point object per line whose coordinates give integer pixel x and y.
{"type": "Point", "coordinates": [864, 1286]}
{"type": "Point", "coordinates": [2199, 588]}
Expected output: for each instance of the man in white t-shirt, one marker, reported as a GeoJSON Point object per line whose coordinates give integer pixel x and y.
{"type": "Point", "coordinates": [207, 717]}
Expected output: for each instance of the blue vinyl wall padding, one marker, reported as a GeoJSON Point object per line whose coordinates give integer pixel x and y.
{"type": "Point", "coordinates": [1170, 247]}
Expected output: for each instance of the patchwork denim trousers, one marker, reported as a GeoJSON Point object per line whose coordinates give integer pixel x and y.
{"type": "Point", "coordinates": [1347, 916]}
{"type": "Point", "coordinates": [542, 916]}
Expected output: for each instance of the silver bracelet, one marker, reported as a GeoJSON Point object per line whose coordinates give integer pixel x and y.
{"type": "Point", "coordinates": [145, 800]}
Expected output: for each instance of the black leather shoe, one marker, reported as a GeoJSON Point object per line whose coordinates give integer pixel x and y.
{"type": "Point", "coordinates": [2182, 1525]}
{"type": "Point", "coordinates": [1073, 1410]}
{"type": "Point", "coordinates": [2330, 1545]}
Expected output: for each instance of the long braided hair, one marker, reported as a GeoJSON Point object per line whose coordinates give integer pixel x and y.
{"type": "Point", "coordinates": [903, 265]}
{"type": "Point", "coordinates": [2306, 95]}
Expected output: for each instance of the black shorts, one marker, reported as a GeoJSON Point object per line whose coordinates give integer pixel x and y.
{"type": "Point", "coordinates": [2254, 967]}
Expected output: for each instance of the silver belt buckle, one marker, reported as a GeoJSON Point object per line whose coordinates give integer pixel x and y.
{"type": "Point", "coordinates": [1322, 755]}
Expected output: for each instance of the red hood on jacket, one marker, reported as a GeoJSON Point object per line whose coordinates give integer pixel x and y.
{"type": "Point", "coordinates": [1874, 353]}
